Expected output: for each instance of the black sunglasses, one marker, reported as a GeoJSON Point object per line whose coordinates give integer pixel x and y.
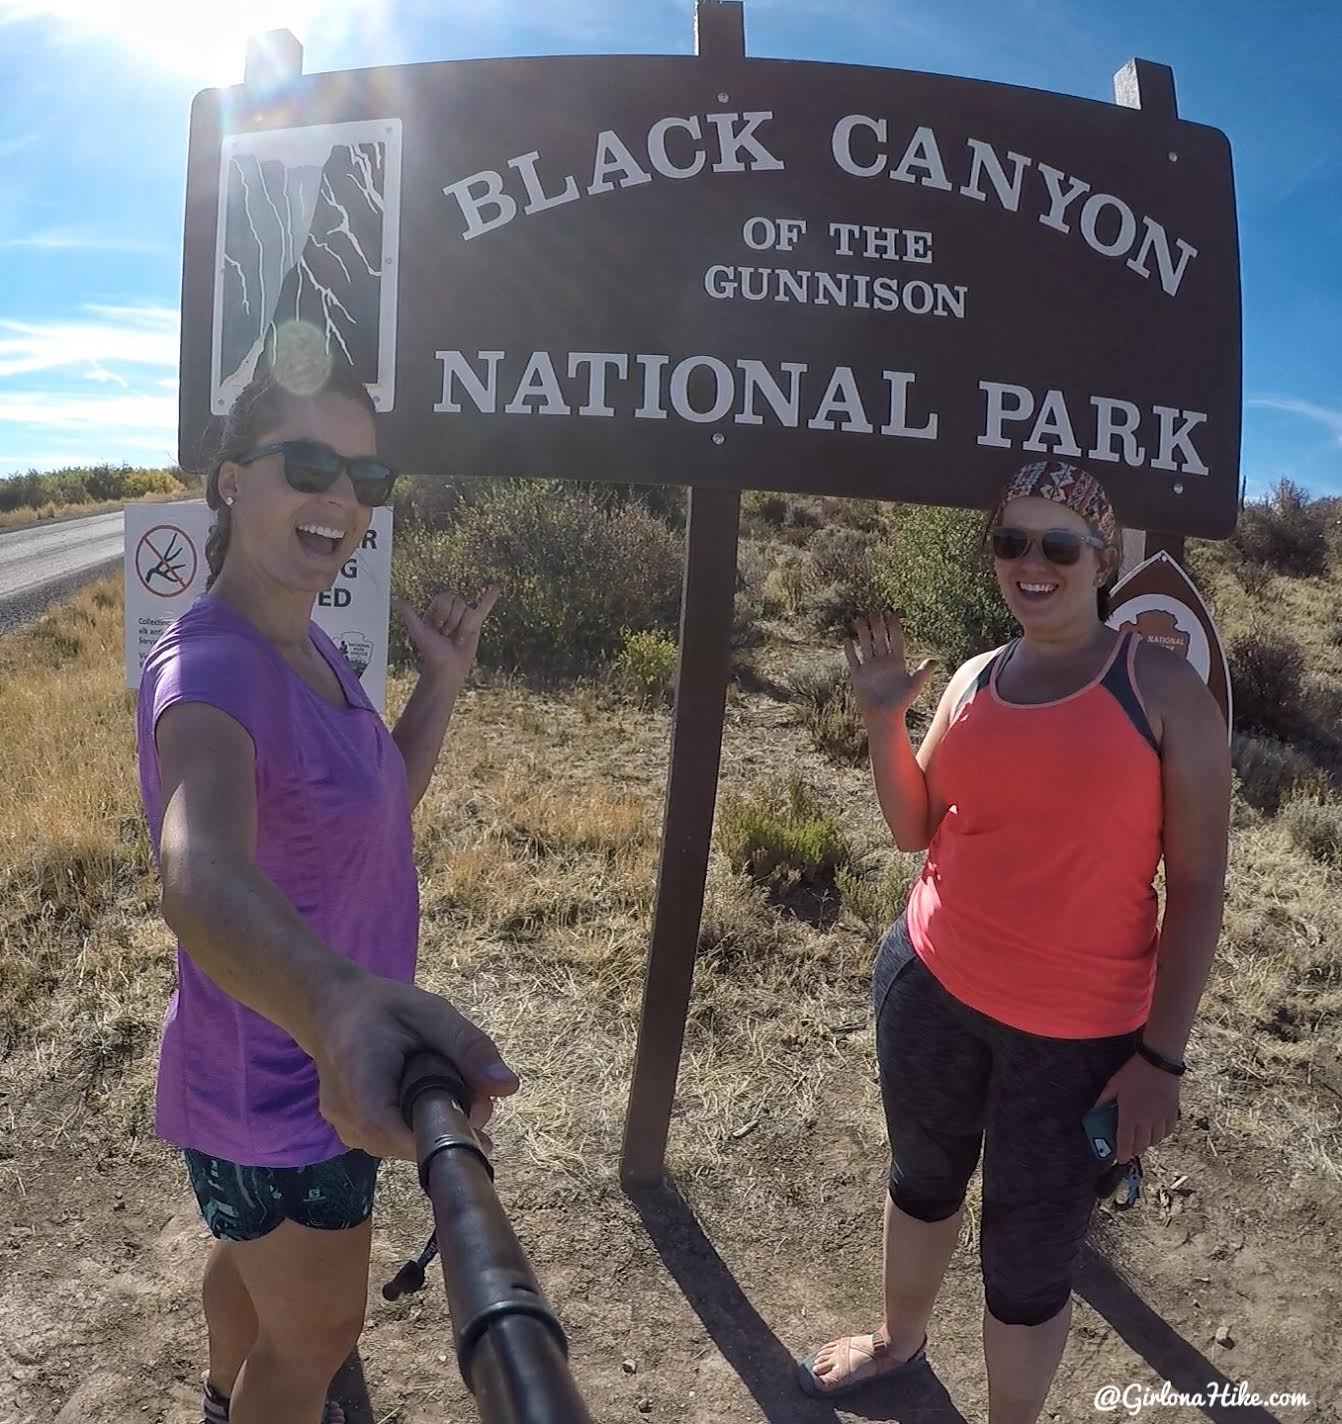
{"type": "Point", "coordinates": [1058, 546]}
{"type": "Point", "coordinates": [310, 466]}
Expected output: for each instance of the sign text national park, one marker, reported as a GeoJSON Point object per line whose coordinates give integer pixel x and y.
{"type": "Point", "coordinates": [745, 273]}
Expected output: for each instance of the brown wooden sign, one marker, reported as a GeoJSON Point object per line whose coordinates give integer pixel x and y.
{"type": "Point", "coordinates": [741, 273]}
{"type": "Point", "coordinates": [1158, 600]}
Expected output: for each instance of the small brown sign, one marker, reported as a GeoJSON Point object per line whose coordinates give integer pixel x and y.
{"type": "Point", "coordinates": [1159, 601]}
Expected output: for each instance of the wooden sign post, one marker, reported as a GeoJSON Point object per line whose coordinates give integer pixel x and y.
{"type": "Point", "coordinates": [706, 612]}
{"type": "Point", "coordinates": [727, 273]}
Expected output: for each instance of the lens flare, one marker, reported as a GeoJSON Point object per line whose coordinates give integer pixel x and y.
{"type": "Point", "coordinates": [301, 363]}
{"type": "Point", "coordinates": [206, 42]}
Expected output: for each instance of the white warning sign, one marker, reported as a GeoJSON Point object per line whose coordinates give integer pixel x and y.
{"type": "Point", "coordinates": [165, 572]}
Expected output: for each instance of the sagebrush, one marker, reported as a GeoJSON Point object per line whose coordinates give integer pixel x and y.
{"type": "Point", "coordinates": [574, 574]}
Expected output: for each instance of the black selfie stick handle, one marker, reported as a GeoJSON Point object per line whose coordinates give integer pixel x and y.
{"type": "Point", "coordinates": [510, 1345]}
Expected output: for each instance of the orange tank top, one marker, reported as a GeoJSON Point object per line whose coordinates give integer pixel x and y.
{"type": "Point", "coordinates": [1036, 903]}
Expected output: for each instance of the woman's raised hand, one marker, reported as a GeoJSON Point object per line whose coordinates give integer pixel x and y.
{"type": "Point", "coordinates": [882, 682]}
{"type": "Point", "coordinates": [447, 635]}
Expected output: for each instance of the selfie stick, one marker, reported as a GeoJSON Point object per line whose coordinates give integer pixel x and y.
{"type": "Point", "coordinates": [510, 1345]}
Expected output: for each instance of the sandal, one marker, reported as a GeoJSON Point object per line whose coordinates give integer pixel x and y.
{"type": "Point", "coordinates": [862, 1374]}
{"type": "Point", "coordinates": [214, 1406]}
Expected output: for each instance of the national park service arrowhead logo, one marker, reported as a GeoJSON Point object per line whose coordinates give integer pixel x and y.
{"type": "Point", "coordinates": [358, 651]}
{"type": "Point", "coordinates": [1158, 625]}
{"type": "Point", "coordinates": [1159, 601]}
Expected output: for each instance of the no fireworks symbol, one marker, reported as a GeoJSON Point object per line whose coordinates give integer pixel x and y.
{"type": "Point", "coordinates": [165, 560]}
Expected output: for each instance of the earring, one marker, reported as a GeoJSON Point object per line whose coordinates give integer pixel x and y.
{"type": "Point", "coordinates": [228, 499]}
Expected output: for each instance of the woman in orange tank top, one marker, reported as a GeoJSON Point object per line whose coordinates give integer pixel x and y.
{"type": "Point", "coordinates": [1029, 978]}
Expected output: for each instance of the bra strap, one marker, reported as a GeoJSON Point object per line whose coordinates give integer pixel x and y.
{"type": "Point", "coordinates": [1119, 682]}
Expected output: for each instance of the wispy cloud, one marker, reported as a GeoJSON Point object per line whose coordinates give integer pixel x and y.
{"type": "Point", "coordinates": [1324, 415]}
{"type": "Point", "coordinates": [65, 240]}
{"type": "Point", "coordinates": [135, 336]}
{"type": "Point", "coordinates": [19, 463]}
{"type": "Point", "coordinates": [144, 420]}
{"type": "Point", "coordinates": [100, 373]}
{"type": "Point", "coordinates": [130, 352]}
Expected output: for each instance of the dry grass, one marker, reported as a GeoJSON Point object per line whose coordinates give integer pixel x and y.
{"type": "Point", "coordinates": [83, 968]}
{"type": "Point", "coordinates": [537, 847]}
{"type": "Point", "coordinates": [1304, 608]}
{"type": "Point", "coordinates": [22, 518]}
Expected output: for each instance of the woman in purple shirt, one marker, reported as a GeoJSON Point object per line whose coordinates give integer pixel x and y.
{"type": "Point", "coordinates": [279, 809]}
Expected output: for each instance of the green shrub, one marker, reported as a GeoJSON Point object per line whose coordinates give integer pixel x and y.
{"type": "Point", "coordinates": [437, 501]}
{"type": "Point", "coordinates": [573, 576]}
{"type": "Point", "coordinates": [138, 483]}
{"type": "Point", "coordinates": [830, 711]}
{"type": "Point", "coordinates": [767, 506]}
{"type": "Point", "coordinates": [749, 609]}
{"type": "Point", "coordinates": [84, 485]}
{"type": "Point", "coordinates": [877, 900]}
{"type": "Point", "coordinates": [936, 568]}
{"type": "Point", "coordinates": [1315, 826]}
{"type": "Point", "coordinates": [868, 515]}
{"type": "Point", "coordinates": [667, 503]}
{"type": "Point", "coordinates": [105, 483]}
{"type": "Point", "coordinates": [791, 582]}
{"type": "Point", "coordinates": [815, 683]}
{"type": "Point", "coordinates": [647, 662]}
{"type": "Point", "coordinates": [1252, 577]}
{"type": "Point", "coordinates": [860, 588]}
{"type": "Point", "coordinates": [1267, 672]}
{"type": "Point", "coordinates": [835, 550]}
{"type": "Point", "coordinates": [429, 500]}
{"type": "Point", "coordinates": [1270, 771]}
{"type": "Point", "coordinates": [802, 514]}
{"type": "Point", "coordinates": [1323, 697]}
{"type": "Point", "coordinates": [783, 838]}
{"type": "Point", "coordinates": [793, 519]}
{"type": "Point", "coordinates": [1287, 531]}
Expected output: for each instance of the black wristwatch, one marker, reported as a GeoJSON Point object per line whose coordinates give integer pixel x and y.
{"type": "Point", "coordinates": [1157, 1060]}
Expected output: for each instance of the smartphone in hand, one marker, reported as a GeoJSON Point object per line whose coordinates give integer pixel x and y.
{"type": "Point", "coordinates": [1101, 1125]}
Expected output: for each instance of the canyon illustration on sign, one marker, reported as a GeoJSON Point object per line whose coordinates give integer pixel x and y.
{"type": "Point", "coordinates": [731, 272]}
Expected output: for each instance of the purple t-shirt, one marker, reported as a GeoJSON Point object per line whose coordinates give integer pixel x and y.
{"type": "Point", "coordinates": [333, 833]}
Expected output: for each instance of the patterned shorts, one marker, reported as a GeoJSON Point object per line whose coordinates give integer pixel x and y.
{"type": "Point", "coordinates": [241, 1203]}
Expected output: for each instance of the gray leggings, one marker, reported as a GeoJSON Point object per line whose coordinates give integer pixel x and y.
{"type": "Point", "coordinates": [955, 1082]}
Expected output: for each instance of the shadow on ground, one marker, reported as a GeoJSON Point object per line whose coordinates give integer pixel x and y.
{"type": "Point", "coordinates": [761, 1361]}
{"type": "Point", "coordinates": [350, 1390]}
{"type": "Point", "coordinates": [1147, 1334]}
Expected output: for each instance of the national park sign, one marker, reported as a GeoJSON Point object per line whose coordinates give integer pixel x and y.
{"type": "Point", "coordinates": [731, 272]}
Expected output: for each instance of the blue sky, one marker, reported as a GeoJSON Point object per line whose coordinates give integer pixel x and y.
{"type": "Point", "coordinates": [93, 124]}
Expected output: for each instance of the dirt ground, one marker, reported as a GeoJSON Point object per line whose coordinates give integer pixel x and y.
{"type": "Point", "coordinates": [537, 858]}
{"type": "Point", "coordinates": [710, 1293]}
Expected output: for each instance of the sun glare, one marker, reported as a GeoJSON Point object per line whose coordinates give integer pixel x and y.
{"type": "Point", "coordinates": [205, 42]}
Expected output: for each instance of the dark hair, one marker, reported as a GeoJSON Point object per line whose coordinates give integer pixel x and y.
{"type": "Point", "coordinates": [1105, 589]}
{"type": "Point", "coordinates": [260, 406]}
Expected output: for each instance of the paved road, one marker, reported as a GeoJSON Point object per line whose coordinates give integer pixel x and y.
{"type": "Point", "coordinates": [46, 561]}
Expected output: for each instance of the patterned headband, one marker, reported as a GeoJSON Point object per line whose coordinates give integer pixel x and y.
{"type": "Point", "coordinates": [1068, 485]}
